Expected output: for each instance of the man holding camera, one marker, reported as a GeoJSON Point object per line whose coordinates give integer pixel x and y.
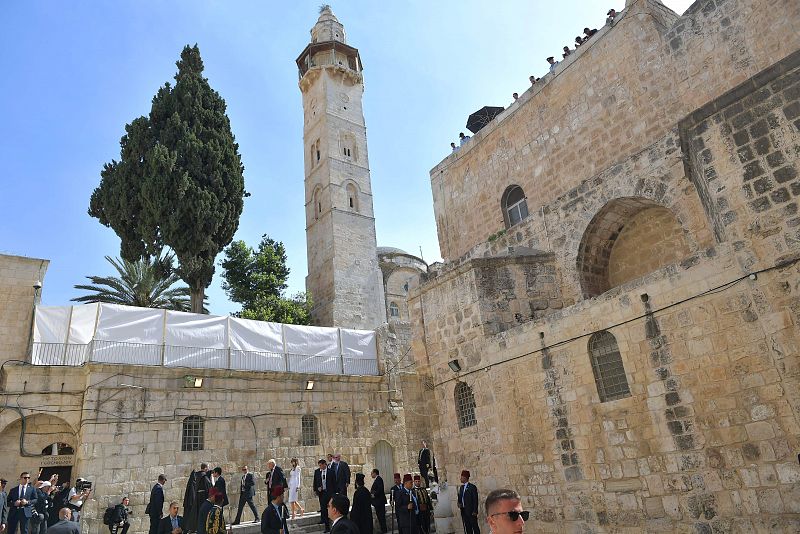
{"type": "Point", "coordinates": [41, 510]}
{"type": "Point", "coordinates": [119, 519]}
{"type": "Point", "coordinates": [78, 494]}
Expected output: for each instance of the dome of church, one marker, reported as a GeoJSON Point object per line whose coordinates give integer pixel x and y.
{"type": "Point", "coordinates": [390, 250]}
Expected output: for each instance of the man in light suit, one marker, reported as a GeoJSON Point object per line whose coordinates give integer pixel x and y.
{"type": "Point", "coordinates": [21, 500]}
{"type": "Point", "coordinates": [247, 490]}
{"type": "Point", "coordinates": [173, 523]}
{"type": "Point", "coordinates": [155, 508]}
{"type": "Point", "coordinates": [65, 524]}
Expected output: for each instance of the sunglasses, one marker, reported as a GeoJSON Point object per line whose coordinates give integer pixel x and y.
{"type": "Point", "coordinates": [26, 477]}
{"type": "Point", "coordinates": [513, 515]}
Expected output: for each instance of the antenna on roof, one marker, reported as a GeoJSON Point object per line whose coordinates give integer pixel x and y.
{"type": "Point", "coordinates": [420, 253]}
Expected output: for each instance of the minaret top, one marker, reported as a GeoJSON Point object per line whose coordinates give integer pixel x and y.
{"type": "Point", "coordinates": [328, 27]}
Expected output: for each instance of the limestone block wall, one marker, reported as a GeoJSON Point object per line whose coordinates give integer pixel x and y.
{"type": "Point", "coordinates": [615, 97]}
{"type": "Point", "coordinates": [707, 439]}
{"type": "Point", "coordinates": [17, 295]}
{"type": "Point", "coordinates": [126, 423]}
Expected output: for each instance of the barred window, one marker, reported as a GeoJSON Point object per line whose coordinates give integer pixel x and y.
{"type": "Point", "coordinates": [394, 310]}
{"type": "Point", "coordinates": [193, 433]}
{"type": "Point", "coordinates": [609, 373]}
{"type": "Point", "coordinates": [465, 405]}
{"type": "Point", "coordinates": [309, 431]}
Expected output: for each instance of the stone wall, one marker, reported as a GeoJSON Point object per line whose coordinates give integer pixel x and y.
{"type": "Point", "coordinates": [125, 423]}
{"type": "Point", "coordinates": [658, 235]}
{"type": "Point", "coordinates": [17, 295]}
{"type": "Point", "coordinates": [606, 103]}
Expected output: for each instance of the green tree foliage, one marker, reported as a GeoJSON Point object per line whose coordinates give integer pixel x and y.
{"type": "Point", "coordinates": [179, 181]}
{"type": "Point", "coordinates": [147, 283]}
{"type": "Point", "coordinates": [256, 279]}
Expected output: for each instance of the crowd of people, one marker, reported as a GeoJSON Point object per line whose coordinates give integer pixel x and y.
{"type": "Point", "coordinates": [40, 506]}
{"type": "Point", "coordinates": [580, 40]}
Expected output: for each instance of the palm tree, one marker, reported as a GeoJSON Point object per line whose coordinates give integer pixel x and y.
{"type": "Point", "coordinates": [146, 283]}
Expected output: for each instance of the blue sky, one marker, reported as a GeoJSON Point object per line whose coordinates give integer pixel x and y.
{"type": "Point", "coordinates": [73, 74]}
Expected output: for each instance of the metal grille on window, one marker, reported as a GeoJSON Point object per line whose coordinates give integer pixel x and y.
{"type": "Point", "coordinates": [394, 310]}
{"type": "Point", "coordinates": [609, 373]}
{"type": "Point", "coordinates": [465, 405]}
{"type": "Point", "coordinates": [193, 433]}
{"type": "Point", "coordinates": [310, 431]}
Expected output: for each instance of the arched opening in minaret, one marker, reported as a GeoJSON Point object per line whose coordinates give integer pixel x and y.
{"type": "Point", "coordinates": [352, 196]}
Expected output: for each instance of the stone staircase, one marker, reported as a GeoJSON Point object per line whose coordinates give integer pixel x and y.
{"type": "Point", "coordinates": [308, 524]}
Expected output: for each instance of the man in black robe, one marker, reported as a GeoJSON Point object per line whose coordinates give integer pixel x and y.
{"type": "Point", "coordinates": [196, 494]}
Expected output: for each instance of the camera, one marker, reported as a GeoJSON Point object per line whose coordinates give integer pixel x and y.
{"type": "Point", "coordinates": [82, 485]}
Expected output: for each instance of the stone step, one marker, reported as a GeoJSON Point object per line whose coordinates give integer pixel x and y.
{"type": "Point", "coordinates": [308, 524]}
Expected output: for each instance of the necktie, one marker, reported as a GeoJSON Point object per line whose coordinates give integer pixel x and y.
{"type": "Point", "coordinates": [413, 498]}
{"type": "Point", "coordinates": [174, 522]}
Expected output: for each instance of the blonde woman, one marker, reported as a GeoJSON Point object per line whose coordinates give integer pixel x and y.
{"type": "Point", "coordinates": [294, 488]}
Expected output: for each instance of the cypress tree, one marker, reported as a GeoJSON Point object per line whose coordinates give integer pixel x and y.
{"type": "Point", "coordinates": [179, 182]}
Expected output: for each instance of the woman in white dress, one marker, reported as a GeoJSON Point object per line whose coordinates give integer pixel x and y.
{"type": "Point", "coordinates": [294, 488]}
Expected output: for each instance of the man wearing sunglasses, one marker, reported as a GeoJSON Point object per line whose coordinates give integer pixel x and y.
{"type": "Point", "coordinates": [504, 512]}
{"type": "Point", "coordinates": [21, 500]}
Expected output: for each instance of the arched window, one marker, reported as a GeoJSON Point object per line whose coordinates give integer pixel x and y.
{"type": "Point", "coordinates": [317, 206]}
{"type": "Point", "coordinates": [352, 196]}
{"type": "Point", "coordinates": [193, 433]}
{"type": "Point", "coordinates": [465, 405]}
{"type": "Point", "coordinates": [515, 205]}
{"type": "Point", "coordinates": [609, 373]}
{"type": "Point", "coordinates": [309, 428]}
{"type": "Point", "coordinates": [394, 310]}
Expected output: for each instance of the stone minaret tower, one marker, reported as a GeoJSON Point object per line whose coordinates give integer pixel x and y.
{"type": "Point", "coordinates": [343, 274]}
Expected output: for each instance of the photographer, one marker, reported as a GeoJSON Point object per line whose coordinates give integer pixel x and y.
{"type": "Point", "coordinates": [77, 496]}
{"type": "Point", "coordinates": [119, 519]}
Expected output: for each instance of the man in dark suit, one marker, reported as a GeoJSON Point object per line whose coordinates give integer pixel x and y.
{"type": "Point", "coordinates": [21, 500]}
{"type": "Point", "coordinates": [378, 494]}
{"type": "Point", "coordinates": [218, 481]}
{"type": "Point", "coordinates": [155, 507]}
{"type": "Point", "coordinates": [342, 472]}
{"type": "Point", "coordinates": [424, 462]}
{"type": "Point", "coordinates": [273, 520]}
{"type": "Point", "coordinates": [247, 490]}
{"type": "Point", "coordinates": [274, 477]}
{"type": "Point", "coordinates": [173, 523]}
{"type": "Point", "coordinates": [324, 489]}
{"type": "Point", "coordinates": [468, 503]}
{"type": "Point", "coordinates": [205, 509]}
{"type": "Point", "coordinates": [65, 524]}
{"type": "Point", "coordinates": [407, 507]}
{"type": "Point", "coordinates": [337, 511]}
{"type": "Point", "coordinates": [3, 504]}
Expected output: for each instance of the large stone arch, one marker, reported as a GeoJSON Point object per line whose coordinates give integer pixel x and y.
{"type": "Point", "coordinates": [41, 430]}
{"type": "Point", "coordinates": [626, 239]}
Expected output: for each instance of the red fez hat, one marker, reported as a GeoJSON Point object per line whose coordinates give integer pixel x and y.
{"type": "Point", "coordinates": [213, 492]}
{"type": "Point", "coordinates": [416, 477]}
{"type": "Point", "coordinates": [407, 478]}
{"type": "Point", "coordinates": [397, 475]}
{"type": "Point", "coordinates": [277, 490]}
{"type": "Point", "coordinates": [465, 473]}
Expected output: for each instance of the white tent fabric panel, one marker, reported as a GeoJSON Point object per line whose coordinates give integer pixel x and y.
{"type": "Point", "coordinates": [359, 344]}
{"type": "Point", "coordinates": [259, 336]}
{"type": "Point", "coordinates": [51, 324]}
{"type": "Point", "coordinates": [82, 323]}
{"type": "Point", "coordinates": [196, 330]}
{"type": "Point", "coordinates": [311, 340]}
{"type": "Point", "coordinates": [129, 324]}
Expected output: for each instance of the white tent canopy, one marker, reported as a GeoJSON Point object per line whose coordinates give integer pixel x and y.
{"type": "Point", "coordinates": [109, 333]}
